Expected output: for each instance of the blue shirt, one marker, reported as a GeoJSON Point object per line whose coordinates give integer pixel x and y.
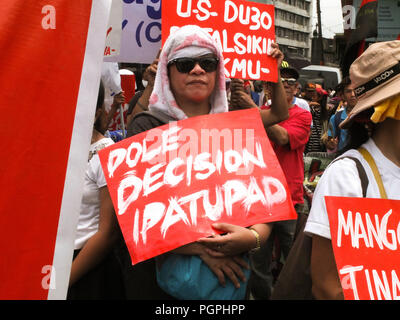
{"type": "Point", "coordinates": [333, 130]}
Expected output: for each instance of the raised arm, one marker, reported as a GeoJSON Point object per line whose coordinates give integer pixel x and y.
{"type": "Point", "coordinates": [279, 107]}
{"type": "Point", "coordinates": [142, 103]}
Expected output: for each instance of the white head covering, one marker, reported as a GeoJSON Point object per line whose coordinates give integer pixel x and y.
{"type": "Point", "coordinates": [188, 41]}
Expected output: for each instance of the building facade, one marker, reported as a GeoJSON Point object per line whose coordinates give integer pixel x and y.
{"type": "Point", "coordinates": [293, 26]}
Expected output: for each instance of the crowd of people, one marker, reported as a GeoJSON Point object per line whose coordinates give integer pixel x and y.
{"type": "Point", "coordinates": [187, 79]}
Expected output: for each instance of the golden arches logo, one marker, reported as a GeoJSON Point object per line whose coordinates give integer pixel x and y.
{"type": "Point", "coordinates": [285, 64]}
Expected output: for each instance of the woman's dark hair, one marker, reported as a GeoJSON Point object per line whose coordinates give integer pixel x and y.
{"type": "Point", "coordinates": [324, 110]}
{"type": "Point", "coordinates": [360, 130]}
{"type": "Point", "coordinates": [100, 96]}
{"type": "Point", "coordinates": [100, 101]}
{"type": "Point", "coordinates": [342, 85]}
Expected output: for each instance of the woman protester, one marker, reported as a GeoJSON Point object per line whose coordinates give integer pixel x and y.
{"type": "Point", "coordinates": [95, 272]}
{"type": "Point", "coordinates": [374, 124]}
{"type": "Point", "coordinates": [190, 81]}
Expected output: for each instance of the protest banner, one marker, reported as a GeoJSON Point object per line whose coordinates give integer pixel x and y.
{"type": "Point", "coordinates": [365, 239]}
{"type": "Point", "coordinates": [52, 52]}
{"type": "Point", "coordinates": [141, 31]}
{"type": "Point", "coordinates": [169, 184]}
{"type": "Point", "coordinates": [244, 29]}
{"type": "Point", "coordinates": [114, 30]}
{"type": "Point", "coordinates": [128, 82]}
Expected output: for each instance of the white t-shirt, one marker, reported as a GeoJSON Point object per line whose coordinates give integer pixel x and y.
{"type": "Point", "coordinates": [301, 103]}
{"type": "Point", "coordinates": [341, 179]}
{"type": "Point", "coordinates": [297, 101]}
{"type": "Point", "coordinates": [304, 105]}
{"type": "Point", "coordinates": [88, 223]}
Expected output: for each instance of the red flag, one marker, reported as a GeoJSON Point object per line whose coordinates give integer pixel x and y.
{"type": "Point", "coordinates": [50, 77]}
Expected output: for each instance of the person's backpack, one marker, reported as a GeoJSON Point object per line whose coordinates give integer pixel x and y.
{"type": "Point", "coordinates": [294, 281]}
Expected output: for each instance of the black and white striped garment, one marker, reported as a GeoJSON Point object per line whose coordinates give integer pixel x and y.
{"type": "Point", "coordinates": [314, 143]}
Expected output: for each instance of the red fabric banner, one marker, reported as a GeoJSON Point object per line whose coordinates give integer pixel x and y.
{"type": "Point", "coordinates": [244, 30]}
{"type": "Point", "coordinates": [43, 48]}
{"type": "Point", "coordinates": [171, 183]}
{"type": "Point", "coordinates": [366, 239]}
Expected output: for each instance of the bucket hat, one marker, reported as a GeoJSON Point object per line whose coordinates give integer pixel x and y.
{"type": "Point", "coordinates": [375, 76]}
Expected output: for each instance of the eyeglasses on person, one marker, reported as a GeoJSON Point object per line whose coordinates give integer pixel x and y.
{"type": "Point", "coordinates": [185, 65]}
{"type": "Point", "coordinates": [290, 81]}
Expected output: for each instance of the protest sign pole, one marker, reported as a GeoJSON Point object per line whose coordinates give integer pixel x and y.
{"type": "Point", "coordinates": [121, 111]}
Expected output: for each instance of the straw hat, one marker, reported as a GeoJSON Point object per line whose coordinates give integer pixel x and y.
{"type": "Point", "coordinates": [375, 76]}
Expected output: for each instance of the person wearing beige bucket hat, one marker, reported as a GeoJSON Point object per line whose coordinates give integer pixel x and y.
{"type": "Point", "coordinates": [371, 168]}
{"type": "Point", "coordinates": [375, 76]}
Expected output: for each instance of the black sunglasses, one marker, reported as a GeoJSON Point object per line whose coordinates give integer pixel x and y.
{"type": "Point", "coordinates": [185, 65]}
{"type": "Point", "coordinates": [290, 81]}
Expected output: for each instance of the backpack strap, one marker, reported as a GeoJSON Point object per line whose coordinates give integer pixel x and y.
{"type": "Point", "coordinates": [368, 157]}
{"type": "Point", "coordinates": [362, 174]}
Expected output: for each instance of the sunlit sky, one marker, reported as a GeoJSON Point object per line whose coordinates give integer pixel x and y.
{"type": "Point", "coordinates": [331, 17]}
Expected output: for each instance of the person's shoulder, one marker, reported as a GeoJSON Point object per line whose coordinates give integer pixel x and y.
{"type": "Point", "coordinates": [134, 100]}
{"type": "Point", "coordinates": [300, 113]}
{"type": "Point", "coordinates": [107, 141]}
{"type": "Point", "coordinates": [343, 171]}
{"type": "Point", "coordinates": [340, 179]}
{"type": "Point", "coordinates": [101, 144]}
{"type": "Point", "coordinates": [344, 162]}
{"type": "Point", "coordinates": [343, 113]}
{"type": "Point", "coordinates": [302, 103]}
{"type": "Point", "coordinates": [297, 109]}
{"type": "Point", "coordinates": [142, 122]}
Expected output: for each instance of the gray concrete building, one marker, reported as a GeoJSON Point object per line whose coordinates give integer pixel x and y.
{"type": "Point", "coordinates": [293, 27]}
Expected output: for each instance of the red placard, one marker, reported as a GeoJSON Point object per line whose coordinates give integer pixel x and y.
{"type": "Point", "coordinates": [128, 80]}
{"type": "Point", "coordinates": [171, 183]}
{"type": "Point", "coordinates": [128, 85]}
{"type": "Point", "coordinates": [366, 238]}
{"type": "Point", "coordinates": [244, 29]}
